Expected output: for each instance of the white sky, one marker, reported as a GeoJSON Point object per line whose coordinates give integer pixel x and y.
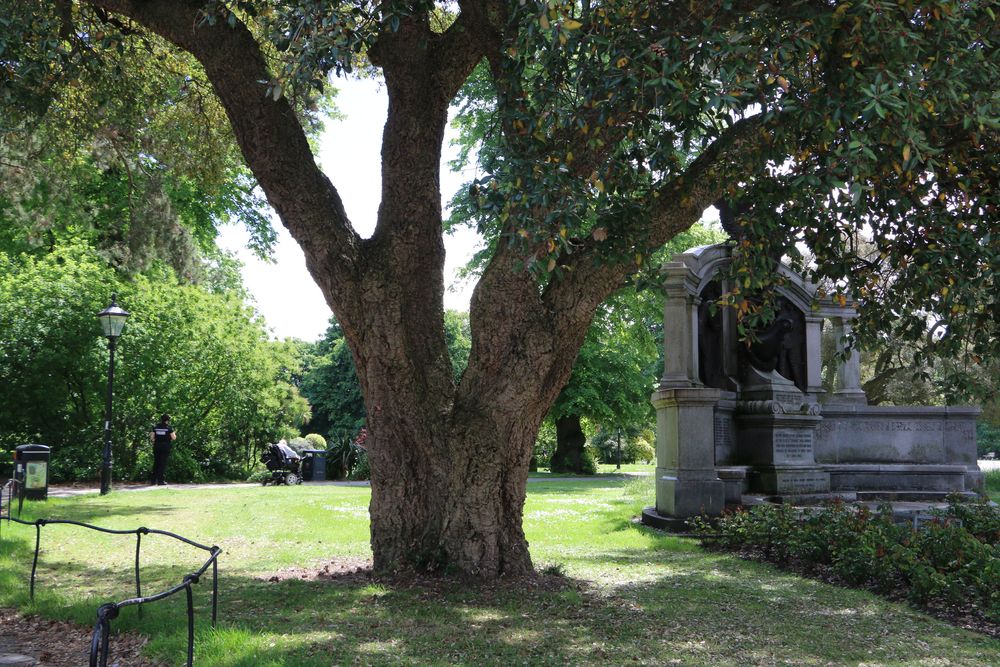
{"type": "Point", "coordinates": [283, 291]}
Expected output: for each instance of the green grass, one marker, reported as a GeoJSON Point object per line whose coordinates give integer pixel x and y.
{"type": "Point", "coordinates": [642, 597]}
{"type": "Point", "coordinates": [604, 469]}
{"type": "Point", "coordinates": [993, 485]}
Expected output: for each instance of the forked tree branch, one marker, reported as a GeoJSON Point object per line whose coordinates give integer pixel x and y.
{"type": "Point", "coordinates": [267, 130]}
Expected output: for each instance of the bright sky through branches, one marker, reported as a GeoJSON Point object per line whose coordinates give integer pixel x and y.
{"type": "Point", "coordinates": [349, 153]}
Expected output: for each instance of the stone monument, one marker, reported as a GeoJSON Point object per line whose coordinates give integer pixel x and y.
{"type": "Point", "coordinates": [735, 420]}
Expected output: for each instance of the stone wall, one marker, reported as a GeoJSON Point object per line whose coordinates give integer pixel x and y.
{"type": "Point", "coordinates": [902, 446]}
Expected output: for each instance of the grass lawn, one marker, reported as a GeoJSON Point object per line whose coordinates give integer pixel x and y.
{"type": "Point", "coordinates": [993, 485]}
{"type": "Point", "coordinates": [604, 469]}
{"type": "Point", "coordinates": [635, 596]}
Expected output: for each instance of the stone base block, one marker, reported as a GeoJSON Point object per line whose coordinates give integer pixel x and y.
{"type": "Point", "coordinates": [654, 519]}
{"type": "Point", "coordinates": [975, 480]}
{"type": "Point", "coordinates": [778, 480]}
{"type": "Point", "coordinates": [848, 397]}
{"type": "Point", "coordinates": [736, 481]}
{"type": "Point", "coordinates": [684, 498]}
{"type": "Point", "coordinates": [897, 477]}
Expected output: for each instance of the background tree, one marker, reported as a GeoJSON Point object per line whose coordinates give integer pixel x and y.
{"type": "Point", "coordinates": [201, 356]}
{"type": "Point", "coordinates": [621, 123]}
{"type": "Point", "coordinates": [618, 366]}
{"type": "Point", "coordinates": [330, 381]}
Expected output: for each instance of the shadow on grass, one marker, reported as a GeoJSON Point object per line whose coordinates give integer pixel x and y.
{"type": "Point", "coordinates": [91, 511]}
{"type": "Point", "coordinates": [714, 612]}
{"type": "Point", "coordinates": [661, 602]}
{"type": "Point", "coordinates": [542, 488]}
{"type": "Point", "coordinates": [695, 607]}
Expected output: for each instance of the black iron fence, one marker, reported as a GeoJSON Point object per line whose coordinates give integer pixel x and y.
{"type": "Point", "coordinates": [99, 643]}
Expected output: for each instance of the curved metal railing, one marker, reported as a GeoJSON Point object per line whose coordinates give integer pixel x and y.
{"type": "Point", "coordinates": [99, 642]}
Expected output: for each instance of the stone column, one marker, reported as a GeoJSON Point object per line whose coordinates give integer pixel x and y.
{"type": "Point", "coordinates": [814, 357]}
{"type": "Point", "coordinates": [848, 383]}
{"type": "Point", "coordinates": [686, 482]}
{"type": "Point", "coordinates": [680, 329]}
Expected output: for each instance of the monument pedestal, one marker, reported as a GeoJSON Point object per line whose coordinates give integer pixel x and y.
{"type": "Point", "coordinates": [686, 482]}
{"type": "Point", "coordinates": [777, 428]}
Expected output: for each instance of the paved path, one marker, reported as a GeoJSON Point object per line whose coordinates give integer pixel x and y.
{"type": "Point", "coordinates": [56, 491]}
{"type": "Point", "coordinates": [70, 491]}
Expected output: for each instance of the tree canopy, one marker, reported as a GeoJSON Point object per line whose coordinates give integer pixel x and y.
{"type": "Point", "coordinates": [620, 122]}
{"type": "Point", "coordinates": [203, 357]}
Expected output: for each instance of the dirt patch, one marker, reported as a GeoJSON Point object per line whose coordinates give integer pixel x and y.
{"type": "Point", "coordinates": [64, 644]}
{"type": "Point", "coordinates": [340, 569]}
{"type": "Point", "coordinates": [358, 571]}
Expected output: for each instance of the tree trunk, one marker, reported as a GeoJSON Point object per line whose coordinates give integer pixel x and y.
{"type": "Point", "coordinates": [449, 461]}
{"type": "Point", "coordinates": [570, 455]}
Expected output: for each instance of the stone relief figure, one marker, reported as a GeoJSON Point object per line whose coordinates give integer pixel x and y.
{"type": "Point", "coordinates": [792, 358]}
{"type": "Point", "coordinates": [765, 352]}
{"type": "Point", "coordinates": [780, 347]}
{"type": "Point", "coordinates": [711, 341]}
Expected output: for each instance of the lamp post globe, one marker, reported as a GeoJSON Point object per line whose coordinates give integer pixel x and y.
{"type": "Point", "coordinates": [112, 321]}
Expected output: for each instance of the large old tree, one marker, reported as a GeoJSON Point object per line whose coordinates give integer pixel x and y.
{"type": "Point", "coordinates": [620, 122]}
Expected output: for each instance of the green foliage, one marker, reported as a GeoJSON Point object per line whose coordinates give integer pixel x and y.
{"type": "Point", "coordinates": [458, 335]}
{"type": "Point", "coordinates": [316, 441]}
{"type": "Point", "coordinates": [545, 442]}
{"type": "Point", "coordinates": [817, 129]}
{"type": "Point", "coordinates": [988, 438]}
{"type": "Point", "coordinates": [578, 463]}
{"type": "Point", "coordinates": [113, 138]}
{"type": "Point", "coordinates": [201, 356]}
{"type": "Point", "coordinates": [362, 468]}
{"type": "Point", "coordinates": [993, 485]}
{"type": "Point", "coordinates": [638, 445]}
{"type": "Point", "coordinates": [259, 476]}
{"type": "Point", "coordinates": [330, 383]}
{"type": "Point", "coordinates": [616, 368]}
{"type": "Point", "coordinates": [347, 458]}
{"type": "Point", "coordinates": [954, 557]}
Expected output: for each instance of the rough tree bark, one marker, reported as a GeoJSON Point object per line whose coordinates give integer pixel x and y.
{"type": "Point", "coordinates": [449, 461]}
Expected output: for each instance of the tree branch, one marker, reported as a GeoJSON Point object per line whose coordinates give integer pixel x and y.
{"type": "Point", "coordinates": [269, 134]}
{"type": "Point", "coordinates": [475, 34]}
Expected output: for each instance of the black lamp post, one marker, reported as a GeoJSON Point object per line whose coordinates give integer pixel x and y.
{"type": "Point", "coordinates": [619, 466]}
{"type": "Point", "coordinates": [112, 322]}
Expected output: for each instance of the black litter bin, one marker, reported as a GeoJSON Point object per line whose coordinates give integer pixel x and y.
{"type": "Point", "coordinates": [31, 468]}
{"type": "Point", "coordinates": [314, 467]}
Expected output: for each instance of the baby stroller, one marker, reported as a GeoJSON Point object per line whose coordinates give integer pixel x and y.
{"type": "Point", "coordinates": [283, 463]}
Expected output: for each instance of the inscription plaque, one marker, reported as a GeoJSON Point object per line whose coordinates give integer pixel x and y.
{"type": "Point", "coordinates": [803, 482]}
{"type": "Point", "coordinates": [788, 397]}
{"type": "Point", "coordinates": [723, 433]}
{"type": "Point", "coordinates": [794, 445]}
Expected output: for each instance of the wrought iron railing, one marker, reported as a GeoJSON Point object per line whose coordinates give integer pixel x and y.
{"type": "Point", "coordinates": [99, 643]}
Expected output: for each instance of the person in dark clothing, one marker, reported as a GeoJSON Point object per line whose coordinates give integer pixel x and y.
{"type": "Point", "coordinates": [161, 436]}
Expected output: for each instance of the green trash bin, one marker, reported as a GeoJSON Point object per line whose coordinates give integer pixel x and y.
{"type": "Point", "coordinates": [31, 469]}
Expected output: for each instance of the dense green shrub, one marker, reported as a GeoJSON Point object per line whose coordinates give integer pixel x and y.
{"type": "Point", "coordinates": [545, 442]}
{"type": "Point", "coordinates": [362, 470]}
{"type": "Point", "coordinates": [953, 557]}
{"type": "Point", "coordinates": [987, 438]}
{"type": "Point", "coordinates": [194, 351]}
{"type": "Point", "coordinates": [258, 476]}
{"type": "Point", "coordinates": [638, 445]}
{"type": "Point", "coordinates": [316, 441]}
{"type": "Point", "coordinates": [346, 457]}
{"type": "Point", "coordinates": [993, 483]}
